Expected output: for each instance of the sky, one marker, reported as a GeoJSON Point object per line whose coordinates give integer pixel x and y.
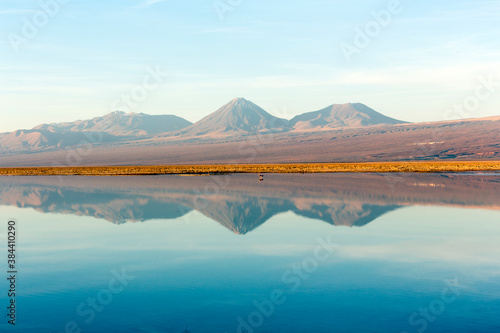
{"type": "Point", "coordinates": [63, 60]}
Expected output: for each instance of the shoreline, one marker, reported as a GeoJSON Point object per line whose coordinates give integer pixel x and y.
{"type": "Point", "coordinates": [215, 169]}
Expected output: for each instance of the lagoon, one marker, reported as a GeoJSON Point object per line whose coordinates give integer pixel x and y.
{"type": "Point", "coordinates": [293, 253]}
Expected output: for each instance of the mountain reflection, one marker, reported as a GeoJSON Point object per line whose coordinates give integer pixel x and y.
{"type": "Point", "coordinates": [241, 203]}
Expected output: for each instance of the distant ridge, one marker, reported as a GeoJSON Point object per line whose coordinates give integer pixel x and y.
{"type": "Point", "coordinates": [26, 141]}
{"type": "Point", "coordinates": [341, 115]}
{"type": "Point", "coordinates": [113, 127]}
{"type": "Point", "coordinates": [119, 123]}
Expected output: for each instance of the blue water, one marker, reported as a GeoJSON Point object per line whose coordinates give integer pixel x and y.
{"type": "Point", "coordinates": [263, 261]}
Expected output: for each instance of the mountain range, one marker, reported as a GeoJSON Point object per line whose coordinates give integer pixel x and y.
{"type": "Point", "coordinates": [339, 132]}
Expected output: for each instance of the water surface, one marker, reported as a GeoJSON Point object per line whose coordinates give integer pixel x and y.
{"type": "Point", "coordinates": [293, 253]}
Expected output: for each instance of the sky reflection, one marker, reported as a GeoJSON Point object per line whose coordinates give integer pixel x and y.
{"type": "Point", "coordinates": [194, 272]}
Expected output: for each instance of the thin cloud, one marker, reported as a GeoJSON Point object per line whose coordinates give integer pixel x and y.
{"type": "Point", "coordinates": [148, 3]}
{"type": "Point", "coordinates": [221, 31]}
{"type": "Point", "coordinates": [15, 11]}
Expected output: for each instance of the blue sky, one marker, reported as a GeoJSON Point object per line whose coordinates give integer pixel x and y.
{"type": "Point", "coordinates": [285, 56]}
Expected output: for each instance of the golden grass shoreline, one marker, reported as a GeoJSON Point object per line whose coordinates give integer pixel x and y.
{"type": "Point", "coordinates": [370, 167]}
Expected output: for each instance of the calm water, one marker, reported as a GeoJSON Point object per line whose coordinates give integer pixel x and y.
{"type": "Point", "coordinates": [293, 253]}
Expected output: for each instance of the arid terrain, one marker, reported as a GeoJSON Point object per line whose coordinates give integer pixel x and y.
{"type": "Point", "coordinates": [240, 132]}
{"type": "Point", "coordinates": [381, 167]}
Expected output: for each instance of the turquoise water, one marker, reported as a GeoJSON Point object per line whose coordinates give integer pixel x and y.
{"type": "Point", "coordinates": [294, 253]}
